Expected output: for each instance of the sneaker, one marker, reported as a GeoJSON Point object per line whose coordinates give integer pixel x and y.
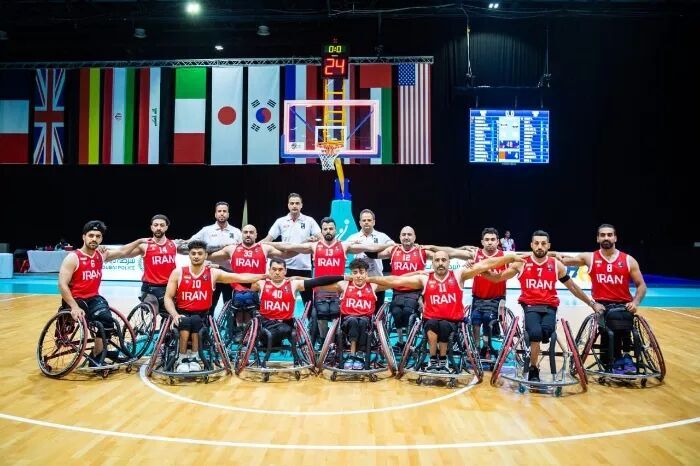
{"type": "Point", "coordinates": [183, 366]}
{"type": "Point", "coordinates": [618, 366]}
{"type": "Point", "coordinates": [348, 365]}
{"type": "Point", "coordinates": [194, 365]}
{"type": "Point", "coordinates": [533, 375]}
{"type": "Point", "coordinates": [358, 364]}
{"type": "Point", "coordinates": [628, 364]}
{"type": "Point", "coordinates": [433, 366]}
{"type": "Point", "coordinates": [618, 370]}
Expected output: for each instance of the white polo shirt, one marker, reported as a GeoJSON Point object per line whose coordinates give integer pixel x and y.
{"type": "Point", "coordinates": [376, 237]}
{"type": "Point", "coordinates": [215, 236]}
{"type": "Point", "coordinates": [295, 232]}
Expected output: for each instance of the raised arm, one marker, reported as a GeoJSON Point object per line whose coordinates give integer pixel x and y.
{"type": "Point", "coordinates": [272, 251]}
{"type": "Point", "coordinates": [639, 283]}
{"type": "Point", "coordinates": [124, 251]}
{"type": "Point", "coordinates": [491, 263]}
{"type": "Point", "coordinates": [220, 276]}
{"type": "Point", "coordinates": [578, 260]}
{"type": "Point", "coordinates": [454, 253]}
{"type": "Point", "coordinates": [224, 253]}
{"type": "Point", "coordinates": [414, 281]}
{"type": "Point", "coordinates": [329, 282]}
{"type": "Point", "coordinates": [299, 248]}
{"type": "Point", "coordinates": [356, 248]}
{"type": "Point", "coordinates": [576, 290]}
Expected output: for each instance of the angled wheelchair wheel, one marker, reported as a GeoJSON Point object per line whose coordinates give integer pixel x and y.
{"type": "Point", "coordinates": [159, 357]}
{"type": "Point", "coordinates": [226, 323]}
{"type": "Point", "coordinates": [408, 349]}
{"type": "Point", "coordinates": [250, 338]}
{"type": "Point", "coordinates": [327, 343]}
{"type": "Point", "coordinates": [471, 351]}
{"type": "Point", "coordinates": [143, 320]}
{"type": "Point", "coordinates": [218, 346]}
{"type": "Point", "coordinates": [505, 350]}
{"type": "Point", "coordinates": [576, 363]}
{"type": "Point", "coordinates": [305, 344]}
{"type": "Point", "coordinates": [61, 344]}
{"type": "Point", "coordinates": [651, 351]}
{"type": "Point", "coordinates": [124, 340]}
{"type": "Point", "coordinates": [385, 347]}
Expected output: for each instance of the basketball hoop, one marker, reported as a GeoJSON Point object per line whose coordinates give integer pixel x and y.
{"type": "Point", "coordinates": [329, 154]}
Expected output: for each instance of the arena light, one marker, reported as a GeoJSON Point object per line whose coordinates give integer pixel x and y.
{"type": "Point", "coordinates": [140, 33]}
{"type": "Point", "coordinates": [193, 8]}
{"type": "Point", "coordinates": [219, 47]}
{"type": "Point", "coordinates": [263, 30]}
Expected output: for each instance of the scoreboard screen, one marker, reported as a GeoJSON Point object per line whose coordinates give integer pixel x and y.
{"type": "Point", "coordinates": [508, 136]}
{"type": "Point", "coordinates": [334, 61]}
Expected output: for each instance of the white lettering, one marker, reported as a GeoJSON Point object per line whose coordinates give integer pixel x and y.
{"type": "Point", "coordinates": [194, 295]}
{"type": "Point", "coordinates": [91, 274]}
{"type": "Point", "coordinates": [443, 299]}
{"type": "Point", "coordinates": [404, 266]}
{"type": "Point", "coordinates": [159, 260]}
{"type": "Point", "coordinates": [538, 284]}
{"type": "Point", "coordinates": [359, 304]}
{"type": "Point", "coordinates": [609, 279]}
{"type": "Point", "coordinates": [275, 306]}
{"type": "Point", "coordinates": [252, 263]}
{"type": "Point", "coordinates": [326, 262]}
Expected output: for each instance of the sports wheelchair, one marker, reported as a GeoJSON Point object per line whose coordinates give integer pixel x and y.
{"type": "Point", "coordinates": [595, 341]}
{"type": "Point", "coordinates": [496, 330]}
{"type": "Point", "coordinates": [211, 352]}
{"type": "Point", "coordinates": [231, 332]}
{"type": "Point", "coordinates": [462, 356]}
{"type": "Point", "coordinates": [404, 302]}
{"type": "Point", "coordinates": [259, 345]}
{"type": "Point", "coordinates": [513, 361]}
{"type": "Point", "coordinates": [144, 320]}
{"type": "Point", "coordinates": [66, 344]}
{"type": "Point", "coordinates": [378, 356]}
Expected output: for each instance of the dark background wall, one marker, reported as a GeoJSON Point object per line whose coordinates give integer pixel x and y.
{"type": "Point", "coordinates": [623, 123]}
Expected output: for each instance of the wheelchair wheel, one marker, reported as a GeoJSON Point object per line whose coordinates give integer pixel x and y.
{"type": "Point", "coordinates": [471, 351]}
{"type": "Point", "coordinates": [651, 351]}
{"type": "Point", "coordinates": [505, 350]}
{"type": "Point", "coordinates": [61, 344]}
{"type": "Point", "coordinates": [586, 337]}
{"type": "Point", "coordinates": [218, 346]}
{"type": "Point", "coordinates": [226, 322]}
{"type": "Point", "coordinates": [125, 341]}
{"type": "Point", "coordinates": [385, 348]}
{"type": "Point", "coordinates": [575, 359]}
{"type": "Point", "coordinates": [305, 344]}
{"type": "Point", "coordinates": [143, 319]}
{"type": "Point", "coordinates": [325, 349]}
{"type": "Point", "coordinates": [247, 345]}
{"type": "Point", "coordinates": [412, 335]}
{"type": "Point", "coordinates": [160, 353]}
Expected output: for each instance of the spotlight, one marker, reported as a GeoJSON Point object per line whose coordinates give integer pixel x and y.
{"type": "Point", "coordinates": [219, 47]}
{"type": "Point", "coordinates": [263, 30]}
{"type": "Point", "coordinates": [495, 5]}
{"type": "Point", "coordinates": [140, 33]}
{"type": "Point", "coordinates": [193, 8]}
{"type": "Point", "coordinates": [3, 35]}
{"type": "Point", "coordinates": [491, 5]}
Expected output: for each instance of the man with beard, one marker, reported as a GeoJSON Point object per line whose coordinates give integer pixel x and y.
{"type": "Point", "coordinates": [538, 275]}
{"type": "Point", "coordinates": [329, 256]}
{"type": "Point", "coordinates": [192, 287]}
{"type": "Point", "coordinates": [296, 228]}
{"type": "Point", "coordinates": [216, 236]}
{"type": "Point", "coordinates": [246, 257]}
{"type": "Point", "coordinates": [80, 277]}
{"type": "Point", "coordinates": [158, 260]}
{"type": "Point", "coordinates": [443, 293]}
{"type": "Point", "coordinates": [611, 270]}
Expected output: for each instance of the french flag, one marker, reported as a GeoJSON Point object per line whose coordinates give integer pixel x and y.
{"type": "Point", "coordinates": [15, 91]}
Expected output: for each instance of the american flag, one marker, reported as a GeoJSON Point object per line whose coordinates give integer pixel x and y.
{"type": "Point", "coordinates": [48, 116]}
{"type": "Point", "coordinates": [414, 113]}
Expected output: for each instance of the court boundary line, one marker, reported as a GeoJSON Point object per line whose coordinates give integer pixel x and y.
{"type": "Point", "coordinates": [17, 297]}
{"type": "Point", "coordinates": [184, 399]}
{"type": "Point", "coordinates": [676, 312]}
{"type": "Point", "coordinates": [459, 445]}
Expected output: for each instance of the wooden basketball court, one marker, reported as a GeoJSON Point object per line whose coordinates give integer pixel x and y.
{"type": "Point", "coordinates": [127, 419]}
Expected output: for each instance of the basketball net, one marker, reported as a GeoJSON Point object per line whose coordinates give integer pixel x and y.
{"type": "Point", "coordinates": [329, 160]}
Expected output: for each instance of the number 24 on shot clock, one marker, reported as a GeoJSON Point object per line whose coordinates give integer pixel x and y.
{"type": "Point", "coordinates": [334, 62]}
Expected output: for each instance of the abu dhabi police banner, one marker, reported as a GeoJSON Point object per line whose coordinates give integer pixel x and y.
{"type": "Point", "coordinates": [131, 269]}
{"type": "Point", "coordinates": [578, 274]}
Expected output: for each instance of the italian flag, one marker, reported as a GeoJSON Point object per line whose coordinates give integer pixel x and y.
{"type": "Point", "coordinates": [190, 115]}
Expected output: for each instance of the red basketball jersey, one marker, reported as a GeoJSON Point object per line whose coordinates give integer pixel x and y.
{"type": "Point", "coordinates": [329, 259]}
{"type": "Point", "coordinates": [403, 262]}
{"type": "Point", "coordinates": [86, 279]}
{"type": "Point", "coordinates": [247, 260]}
{"type": "Point", "coordinates": [483, 288]}
{"type": "Point", "coordinates": [158, 262]}
{"type": "Point", "coordinates": [194, 292]}
{"type": "Point", "coordinates": [610, 279]}
{"type": "Point", "coordinates": [538, 283]}
{"type": "Point", "coordinates": [442, 299]}
{"type": "Point", "coordinates": [277, 301]}
{"type": "Point", "coordinates": [358, 301]}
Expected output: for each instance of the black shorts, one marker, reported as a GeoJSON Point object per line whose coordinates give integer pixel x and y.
{"type": "Point", "coordinates": [327, 306]}
{"type": "Point", "coordinates": [245, 300]}
{"type": "Point", "coordinates": [156, 290]}
{"type": "Point", "coordinates": [442, 327]}
{"type": "Point", "coordinates": [279, 329]}
{"type": "Point", "coordinates": [617, 317]}
{"type": "Point", "coordinates": [540, 322]}
{"type": "Point", "coordinates": [94, 306]}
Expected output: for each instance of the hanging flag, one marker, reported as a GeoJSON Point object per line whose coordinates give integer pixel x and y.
{"type": "Point", "coordinates": [378, 79]}
{"type": "Point", "coordinates": [263, 115]}
{"type": "Point", "coordinates": [89, 117]}
{"type": "Point", "coordinates": [49, 92]}
{"type": "Point", "coordinates": [118, 116]}
{"type": "Point", "coordinates": [149, 116]}
{"type": "Point", "coordinates": [414, 113]}
{"type": "Point", "coordinates": [15, 89]}
{"type": "Point", "coordinates": [190, 115]}
{"type": "Point", "coordinates": [244, 218]}
{"type": "Point", "coordinates": [226, 121]}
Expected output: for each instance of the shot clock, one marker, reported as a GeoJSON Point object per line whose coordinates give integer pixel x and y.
{"type": "Point", "coordinates": [334, 61]}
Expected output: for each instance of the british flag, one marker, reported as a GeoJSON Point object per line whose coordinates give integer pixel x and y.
{"type": "Point", "coordinates": [48, 116]}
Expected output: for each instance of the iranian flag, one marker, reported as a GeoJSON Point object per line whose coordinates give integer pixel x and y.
{"type": "Point", "coordinates": [190, 115]}
{"type": "Point", "coordinates": [118, 116]}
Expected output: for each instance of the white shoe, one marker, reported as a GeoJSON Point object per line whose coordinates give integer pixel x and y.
{"type": "Point", "coordinates": [194, 365]}
{"type": "Point", "coordinates": [183, 366]}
